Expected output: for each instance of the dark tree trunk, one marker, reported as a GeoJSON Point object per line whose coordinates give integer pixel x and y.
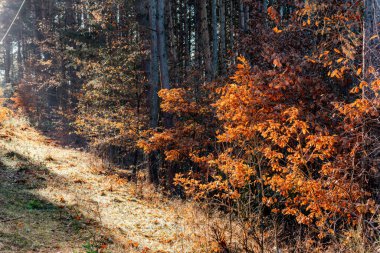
{"type": "Point", "coordinates": [222, 33]}
{"type": "Point", "coordinates": [7, 61]}
{"type": "Point", "coordinates": [163, 56]}
{"type": "Point", "coordinates": [205, 40]}
{"type": "Point", "coordinates": [371, 72]}
{"type": "Point", "coordinates": [371, 40]}
{"type": "Point", "coordinates": [154, 81]}
{"type": "Point", "coordinates": [215, 38]}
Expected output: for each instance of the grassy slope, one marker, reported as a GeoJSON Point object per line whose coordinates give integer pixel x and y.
{"type": "Point", "coordinates": [62, 199]}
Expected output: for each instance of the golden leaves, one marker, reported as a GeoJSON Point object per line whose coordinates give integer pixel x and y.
{"type": "Point", "coordinates": [266, 138]}
{"type": "Point", "coordinates": [46, 63]}
{"type": "Point", "coordinates": [276, 30]}
{"type": "Point", "coordinates": [97, 15]}
{"type": "Point", "coordinates": [277, 63]}
{"type": "Point", "coordinates": [340, 60]}
{"type": "Point", "coordinates": [155, 141]}
{"type": "Point", "coordinates": [177, 101]}
{"type": "Point", "coordinates": [376, 36]}
{"type": "Point", "coordinates": [172, 155]}
{"type": "Point", "coordinates": [5, 113]}
{"type": "Point", "coordinates": [274, 15]}
{"type": "Point", "coordinates": [339, 72]}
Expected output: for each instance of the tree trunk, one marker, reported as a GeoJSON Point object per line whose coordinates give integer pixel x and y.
{"type": "Point", "coordinates": [20, 68]}
{"type": "Point", "coordinates": [164, 69]}
{"type": "Point", "coordinates": [163, 56]}
{"type": "Point", "coordinates": [232, 30]}
{"type": "Point", "coordinates": [205, 40]}
{"type": "Point", "coordinates": [241, 15]}
{"type": "Point", "coordinates": [371, 40]}
{"type": "Point", "coordinates": [198, 36]}
{"type": "Point", "coordinates": [154, 80]}
{"type": "Point", "coordinates": [187, 31]}
{"type": "Point", "coordinates": [223, 35]}
{"type": "Point", "coordinates": [172, 42]}
{"type": "Point", "coordinates": [371, 72]}
{"type": "Point", "coordinates": [215, 39]}
{"type": "Point", "coordinates": [7, 61]}
{"type": "Point", "coordinates": [246, 18]}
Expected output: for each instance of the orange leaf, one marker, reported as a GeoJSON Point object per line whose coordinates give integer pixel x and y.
{"type": "Point", "coordinates": [354, 90]}
{"type": "Point", "coordinates": [276, 30]}
{"type": "Point", "coordinates": [273, 14]}
{"type": "Point", "coordinates": [277, 63]}
{"type": "Point", "coordinates": [363, 84]}
{"type": "Point", "coordinates": [340, 60]}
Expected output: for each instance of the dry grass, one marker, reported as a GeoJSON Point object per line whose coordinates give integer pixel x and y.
{"type": "Point", "coordinates": [101, 206]}
{"type": "Point", "coordinates": [59, 199]}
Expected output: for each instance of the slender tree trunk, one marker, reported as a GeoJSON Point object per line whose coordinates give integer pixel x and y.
{"type": "Point", "coordinates": [241, 15]}
{"type": "Point", "coordinates": [154, 81]}
{"type": "Point", "coordinates": [232, 29]}
{"type": "Point", "coordinates": [20, 68]}
{"type": "Point", "coordinates": [198, 36]}
{"type": "Point", "coordinates": [371, 47]}
{"type": "Point", "coordinates": [222, 33]}
{"type": "Point", "coordinates": [164, 69]}
{"type": "Point", "coordinates": [371, 72]}
{"type": "Point", "coordinates": [187, 31]}
{"type": "Point", "coordinates": [69, 77]}
{"type": "Point", "coordinates": [215, 39]}
{"type": "Point", "coordinates": [172, 43]}
{"type": "Point", "coordinates": [163, 56]}
{"type": "Point", "coordinates": [246, 18]}
{"type": "Point", "coordinates": [265, 8]}
{"type": "Point", "coordinates": [7, 61]}
{"type": "Point", "coordinates": [162, 52]}
{"type": "Point", "coordinates": [205, 40]}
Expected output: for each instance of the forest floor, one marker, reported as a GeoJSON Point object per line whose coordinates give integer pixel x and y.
{"type": "Point", "coordinates": [61, 199]}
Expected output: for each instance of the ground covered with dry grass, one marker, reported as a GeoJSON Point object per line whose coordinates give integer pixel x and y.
{"type": "Point", "coordinates": [60, 199]}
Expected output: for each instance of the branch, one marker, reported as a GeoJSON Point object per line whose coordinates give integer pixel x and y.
{"type": "Point", "coordinates": [11, 219]}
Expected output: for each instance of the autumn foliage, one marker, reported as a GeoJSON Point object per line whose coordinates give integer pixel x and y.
{"type": "Point", "coordinates": [281, 155]}
{"type": "Point", "coordinates": [269, 116]}
{"type": "Point", "coordinates": [279, 137]}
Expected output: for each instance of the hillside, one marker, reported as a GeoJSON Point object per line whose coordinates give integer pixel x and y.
{"type": "Point", "coordinates": [57, 199]}
{"type": "Point", "coordinates": [213, 126]}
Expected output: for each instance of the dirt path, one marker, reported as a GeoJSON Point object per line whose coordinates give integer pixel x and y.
{"type": "Point", "coordinates": [55, 199]}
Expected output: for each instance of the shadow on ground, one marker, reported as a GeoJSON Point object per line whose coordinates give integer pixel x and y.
{"type": "Point", "coordinates": [51, 121]}
{"type": "Point", "coordinates": [29, 223]}
{"type": "Point", "coordinates": [57, 125]}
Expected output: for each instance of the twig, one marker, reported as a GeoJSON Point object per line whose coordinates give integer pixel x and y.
{"type": "Point", "coordinates": [11, 219]}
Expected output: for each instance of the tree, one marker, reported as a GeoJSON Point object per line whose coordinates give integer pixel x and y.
{"type": "Point", "coordinates": [282, 132]}
{"type": "Point", "coordinates": [7, 60]}
{"type": "Point", "coordinates": [371, 78]}
{"type": "Point", "coordinates": [205, 37]}
{"type": "Point", "coordinates": [371, 40]}
{"type": "Point", "coordinates": [154, 81]}
{"type": "Point", "coordinates": [215, 38]}
{"type": "Point", "coordinates": [222, 32]}
{"type": "Point", "coordinates": [163, 56]}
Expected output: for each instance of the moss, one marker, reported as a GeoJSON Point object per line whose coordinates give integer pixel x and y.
{"type": "Point", "coordinates": [13, 155]}
{"type": "Point", "coordinates": [10, 241]}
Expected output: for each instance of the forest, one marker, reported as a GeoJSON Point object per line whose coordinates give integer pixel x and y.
{"type": "Point", "coordinates": [224, 125]}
